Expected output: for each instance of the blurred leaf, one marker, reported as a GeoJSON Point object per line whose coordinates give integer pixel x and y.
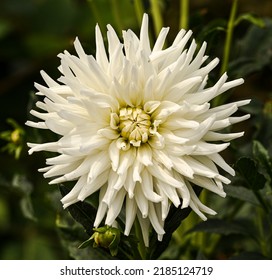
{"type": "Point", "coordinates": [5, 28]}
{"type": "Point", "coordinates": [261, 155]}
{"type": "Point", "coordinates": [27, 208]}
{"type": "Point", "coordinates": [250, 18]}
{"type": "Point", "coordinates": [248, 256]}
{"type": "Point", "coordinates": [220, 227]}
{"type": "Point", "coordinates": [89, 253]}
{"type": "Point", "coordinates": [254, 50]}
{"type": "Point", "coordinates": [248, 170]}
{"type": "Point", "coordinates": [211, 32]}
{"type": "Point", "coordinates": [42, 45]}
{"type": "Point", "coordinates": [22, 184]}
{"type": "Point", "coordinates": [242, 193]}
{"type": "Point", "coordinates": [25, 188]}
{"type": "Point", "coordinates": [4, 215]}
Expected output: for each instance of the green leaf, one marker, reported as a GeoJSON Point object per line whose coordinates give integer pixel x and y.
{"type": "Point", "coordinates": [248, 170]}
{"type": "Point", "coordinates": [21, 184]}
{"type": "Point", "coordinates": [242, 193]}
{"type": "Point", "coordinates": [172, 222]}
{"type": "Point", "coordinates": [262, 156]}
{"type": "Point", "coordinates": [249, 256]}
{"type": "Point", "coordinates": [83, 212]}
{"type": "Point", "coordinates": [250, 18]}
{"type": "Point", "coordinates": [222, 227]}
{"type": "Point", "coordinates": [86, 243]}
{"type": "Point", "coordinates": [254, 51]}
{"type": "Point", "coordinates": [5, 28]}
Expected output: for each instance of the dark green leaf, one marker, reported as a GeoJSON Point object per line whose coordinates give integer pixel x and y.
{"type": "Point", "coordinates": [72, 235]}
{"type": "Point", "coordinates": [247, 168]}
{"type": "Point", "coordinates": [242, 193]}
{"type": "Point", "coordinates": [83, 212]}
{"type": "Point", "coordinates": [255, 51]}
{"type": "Point", "coordinates": [220, 227]}
{"type": "Point", "coordinates": [172, 222]}
{"type": "Point", "coordinates": [261, 155]}
{"type": "Point", "coordinates": [248, 256]}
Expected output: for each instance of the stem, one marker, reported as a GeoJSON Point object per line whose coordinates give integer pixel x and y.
{"type": "Point", "coordinates": [261, 200]}
{"type": "Point", "coordinates": [139, 9]}
{"type": "Point", "coordinates": [263, 238]}
{"type": "Point", "coordinates": [229, 36]}
{"type": "Point", "coordinates": [141, 250]}
{"type": "Point", "coordinates": [184, 14]}
{"type": "Point", "coordinates": [117, 16]}
{"type": "Point", "coordinates": [156, 13]}
{"type": "Point", "coordinates": [96, 15]}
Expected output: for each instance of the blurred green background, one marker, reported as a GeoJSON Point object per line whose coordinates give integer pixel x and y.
{"type": "Point", "coordinates": [33, 32]}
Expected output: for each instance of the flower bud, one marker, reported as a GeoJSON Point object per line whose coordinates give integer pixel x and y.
{"type": "Point", "coordinates": [107, 237]}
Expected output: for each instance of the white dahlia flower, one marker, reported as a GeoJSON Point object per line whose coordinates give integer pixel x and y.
{"type": "Point", "coordinates": [135, 123]}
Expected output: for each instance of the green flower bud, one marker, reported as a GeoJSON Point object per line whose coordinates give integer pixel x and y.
{"type": "Point", "coordinates": [106, 237]}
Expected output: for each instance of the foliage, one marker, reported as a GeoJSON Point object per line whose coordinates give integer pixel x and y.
{"type": "Point", "coordinates": [32, 223]}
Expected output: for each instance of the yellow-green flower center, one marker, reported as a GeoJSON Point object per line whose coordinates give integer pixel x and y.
{"type": "Point", "coordinates": [134, 125]}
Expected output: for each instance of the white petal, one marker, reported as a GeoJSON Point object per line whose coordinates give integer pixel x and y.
{"type": "Point", "coordinates": [40, 125]}
{"type": "Point", "coordinates": [49, 147]}
{"type": "Point", "coordinates": [216, 158]}
{"type": "Point", "coordinates": [163, 158]}
{"type": "Point", "coordinates": [73, 194]}
{"type": "Point", "coordinates": [163, 175]}
{"type": "Point", "coordinates": [114, 154]}
{"type": "Point", "coordinates": [101, 55]}
{"type": "Point", "coordinates": [115, 207]}
{"type": "Point", "coordinates": [102, 208]}
{"type": "Point", "coordinates": [141, 200]}
{"type": "Point", "coordinates": [203, 148]}
{"type": "Point", "coordinates": [161, 39]}
{"type": "Point", "coordinates": [131, 210]}
{"type": "Point", "coordinates": [214, 136]}
{"type": "Point", "coordinates": [208, 184]}
{"type": "Point", "coordinates": [126, 160]}
{"type": "Point", "coordinates": [169, 191]}
{"type": "Point", "coordinates": [50, 82]}
{"type": "Point", "coordinates": [182, 166]}
{"type": "Point", "coordinates": [144, 39]}
{"type": "Point", "coordinates": [144, 224]}
{"type": "Point", "coordinates": [144, 155]}
{"type": "Point", "coordinates": [100, 163]}
{"type": "Point", "coordinates": [154, 219]}
{"type": "Point", "coordinates": [129, 184]}
{"type": "Point", "coordinates": [147, 187]}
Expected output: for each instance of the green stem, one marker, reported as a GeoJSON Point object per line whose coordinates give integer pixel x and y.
{"type": "Point", "coordinates": [261, 200]}
{"type": "Point", "coordinates": [157, 17]}
{"type": "Point", "coordinates": [184, 14]}
{"type": "Point", "coordinates": [141, 250]}
{"type": "Point", "coordinates": [117, 16]}
{"type": "Point", "coordinates": [139, 10]}
{"type": "Point", "coordinates": [229, 36]}
{"type": "Point", "coordinates": [262, 236]}
{"type": "Point", "coordinates": [96, 15]}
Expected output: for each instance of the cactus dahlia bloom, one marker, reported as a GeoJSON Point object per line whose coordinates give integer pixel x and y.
{"type": "Point", "coordinates": [135, 123]}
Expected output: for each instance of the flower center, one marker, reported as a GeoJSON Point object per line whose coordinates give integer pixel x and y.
{"type": "Point", "coordinates": [134, 125]}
